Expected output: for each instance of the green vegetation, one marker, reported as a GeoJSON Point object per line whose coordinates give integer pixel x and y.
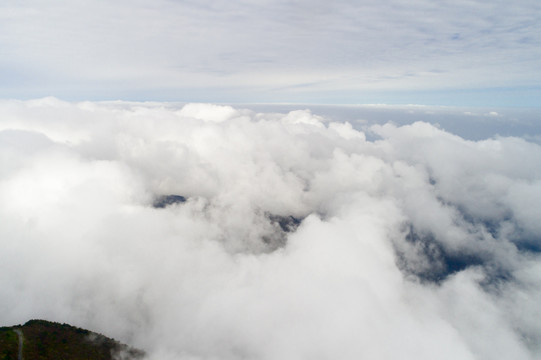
{"type": "Point", "coordinates": [9, 344]}
{"type": "Point", "coordinates": [44, 340]}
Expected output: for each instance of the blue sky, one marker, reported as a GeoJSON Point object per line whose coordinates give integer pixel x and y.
{"type": "Point", "coordinates": [459, 53]}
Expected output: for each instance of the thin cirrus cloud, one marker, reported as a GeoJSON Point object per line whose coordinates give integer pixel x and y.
{"type": "Point", "coordinates": [292, 235]}
{"type": "Point", "coordinates": [265, 51]}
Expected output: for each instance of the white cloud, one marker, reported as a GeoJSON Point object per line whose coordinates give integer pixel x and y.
{"type": "Point", "coordinates": [419, 244]}
{"type": "Point", "coordinates": [118, 49]}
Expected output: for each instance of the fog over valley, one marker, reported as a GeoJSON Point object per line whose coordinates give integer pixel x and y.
{"type": "Point", "coordinates": [207, 231]}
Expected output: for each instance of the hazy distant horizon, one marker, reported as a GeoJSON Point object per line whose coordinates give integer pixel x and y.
{"type": "Point", "coordinates": [469, 122]}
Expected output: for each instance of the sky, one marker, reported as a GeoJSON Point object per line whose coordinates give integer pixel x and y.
{"type": "Point", "coordinates": [301, 235]}
{"type": "Point", "coordinates": [456, 53]}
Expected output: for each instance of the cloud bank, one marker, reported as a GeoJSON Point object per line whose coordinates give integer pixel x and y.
{"type": "Point", "coordinates": [292, 235]}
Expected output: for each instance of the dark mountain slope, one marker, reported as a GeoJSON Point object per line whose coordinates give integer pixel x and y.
{"type": "Point", "coordinates": [45, 340]}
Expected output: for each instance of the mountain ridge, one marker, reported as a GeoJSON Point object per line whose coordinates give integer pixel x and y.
{"type": "Point", "coordinates": [47, 340]}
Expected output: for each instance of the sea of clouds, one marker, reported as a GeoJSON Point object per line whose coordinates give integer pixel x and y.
{"type": "Point", "coordinates": [297, 236]}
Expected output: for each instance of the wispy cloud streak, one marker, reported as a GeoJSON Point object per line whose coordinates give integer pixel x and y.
{"type": "Point", "coordinates": [145, 48]}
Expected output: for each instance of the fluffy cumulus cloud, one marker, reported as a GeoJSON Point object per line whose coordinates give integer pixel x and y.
{"type": "Point", "coordinates": [210, 232]}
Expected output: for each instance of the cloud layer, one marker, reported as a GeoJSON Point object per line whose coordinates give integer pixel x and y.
{"type": "Point", "coordinates": [415, 244]}
{"type": "Point", "coordinates": [302, 51]}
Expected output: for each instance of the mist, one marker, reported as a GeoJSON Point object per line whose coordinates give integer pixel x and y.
{"type": "Point", "coordinates": [201, 231]}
